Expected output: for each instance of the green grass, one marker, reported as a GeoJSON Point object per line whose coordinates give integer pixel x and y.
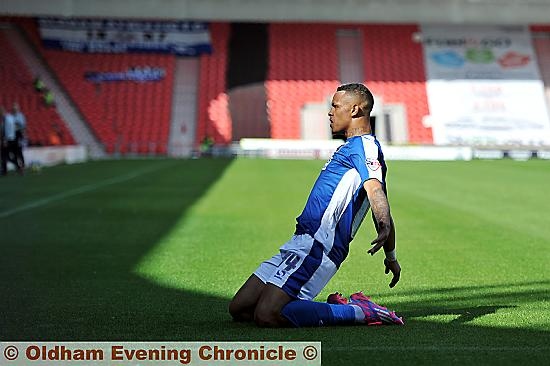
{"type": "Point", "coordinates": [154, 250]}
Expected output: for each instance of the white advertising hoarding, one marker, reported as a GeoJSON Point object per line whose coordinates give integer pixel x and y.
{"type": "Point", "coordinates": [484, 86]}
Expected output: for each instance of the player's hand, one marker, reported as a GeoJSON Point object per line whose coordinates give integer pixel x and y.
{"type": "Point", "coordinates": [395, 269]}
{"type": "Point", "coordinates": [383, 234]}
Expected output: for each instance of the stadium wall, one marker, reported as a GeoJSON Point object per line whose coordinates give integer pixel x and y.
{"type": "Point", "coordinates": [323, 149]}
{"type": "Point", "coordinates": [54, 155]}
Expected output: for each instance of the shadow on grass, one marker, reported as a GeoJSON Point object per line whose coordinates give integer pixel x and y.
{"type": "Point", "coordinates": [66, 267]}
{"type": "Point", "coordinates": [463, 315]}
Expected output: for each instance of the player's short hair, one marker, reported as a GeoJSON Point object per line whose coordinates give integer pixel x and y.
{"type": "Point", "coordinates": [361, 91]}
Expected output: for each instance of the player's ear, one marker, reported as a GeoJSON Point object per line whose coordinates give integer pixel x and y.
{"type": "Point", "coordinates": [355, 110]}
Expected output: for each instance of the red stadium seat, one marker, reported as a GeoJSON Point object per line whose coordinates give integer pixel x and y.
{"type": "Point", "coordinates": [213, 117]}
{"type": "Point", "coordinates": [394, 70]}
{"type": "Point", "coordinates": [303, 69]}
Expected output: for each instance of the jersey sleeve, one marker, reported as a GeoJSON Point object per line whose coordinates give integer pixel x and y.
{"type": "Point", "coordinates": [365, 159]}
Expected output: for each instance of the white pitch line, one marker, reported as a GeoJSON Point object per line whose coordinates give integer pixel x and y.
{"type": "Point", "coordinates": [436, 348]}
{"type": "Point", "coordinates": [79, 190]}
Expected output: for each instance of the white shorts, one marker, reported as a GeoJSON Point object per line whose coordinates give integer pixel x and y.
{"type": "Point", "coordinates": [301, 268]}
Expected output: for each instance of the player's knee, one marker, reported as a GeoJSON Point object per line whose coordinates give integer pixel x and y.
{"type": "Point", "coordinates": [267, 318]}
{"type": "Point", "coordinates": [239, 312]}
{"type": "Point", "coordinates": [235, 310]}
{"type": "Point", "coordinates": [232, 309]}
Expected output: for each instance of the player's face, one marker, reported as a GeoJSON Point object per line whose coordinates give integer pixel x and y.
{"type": "Point", "coordinates": [340, 112]}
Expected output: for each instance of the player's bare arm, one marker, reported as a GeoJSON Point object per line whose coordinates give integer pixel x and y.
{"type": "Point", "coordinates": [385, 228]}
{"type": "Point", "coordinates": [381, 210]}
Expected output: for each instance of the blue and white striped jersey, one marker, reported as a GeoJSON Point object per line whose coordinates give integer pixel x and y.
{"type": "Point", "coordinates": [338, 203]}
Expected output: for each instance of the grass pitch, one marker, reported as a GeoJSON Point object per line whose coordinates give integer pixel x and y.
{"type": "Point", "coordinates": [145, 250]}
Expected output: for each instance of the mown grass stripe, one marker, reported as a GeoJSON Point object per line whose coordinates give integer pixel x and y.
{"type": "Point", "coordinates": [76, 191]}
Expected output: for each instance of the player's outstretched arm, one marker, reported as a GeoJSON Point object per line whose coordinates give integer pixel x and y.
{"type": "Point", "coordinates": [385, 228]}
{"type": "Point", "coordinates": [381, 211]}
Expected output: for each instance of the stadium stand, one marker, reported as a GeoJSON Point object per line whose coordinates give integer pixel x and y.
{"type": "Point", "coordinates": [247, 65]}
{"type": "Point", "coordinates": [214, 119]}
{"type": "Point", "coordinates": [542, 48]}
{"type": "Point", "coordinates": [394, 69]}
{"type": "Point", "coordinates": [44, 125]}
{"type": "Point", "coordinates": [128, 116]}
{"type": "Point", "coordinates": [303, 68]}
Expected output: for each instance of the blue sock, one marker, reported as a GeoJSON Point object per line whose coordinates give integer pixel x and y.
{"type": "Point", "coordinates": [305, 313]}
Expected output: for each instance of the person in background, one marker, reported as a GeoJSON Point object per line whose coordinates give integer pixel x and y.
{"type": "Point", "coordinates": [206, 146]}
{"type": "Point", "coordinates": [20, 128]}
{"type": "Point", "coordinates": [10, 141]}
{"type": "Point", "coordinates": [3, 145]}
{"type": "Point", "coordinates": [39, 85]}
{"type": "Point", "coordinates": [49, 98]}
{"type": "Point", "coordinates": [55, 136]}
